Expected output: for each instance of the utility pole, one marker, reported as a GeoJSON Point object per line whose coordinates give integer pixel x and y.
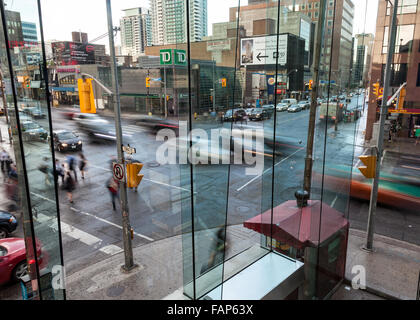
{"type": "Point", "coordinates": [166, 97]}
{"type": "Point", "coordinates": [115, 98]}
{"type": "Point", "coordinates": [380, 146]}
{"type": "Point", "coordinates": [314, 102]}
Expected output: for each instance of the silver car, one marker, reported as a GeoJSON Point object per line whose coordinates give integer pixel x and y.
{"type": "Point", "coordinates": [282, 106]}
{"type": "Point", "coordinates": [295, 108]}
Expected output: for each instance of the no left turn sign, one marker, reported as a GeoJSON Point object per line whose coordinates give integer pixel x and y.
{"type": "Point", "coordinates": [118, 170]}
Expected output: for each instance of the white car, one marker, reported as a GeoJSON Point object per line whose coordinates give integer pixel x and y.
{"type": "Point", "coordinates": [282, 106]}
{"type": "Point", "coordinates": [89, 119]}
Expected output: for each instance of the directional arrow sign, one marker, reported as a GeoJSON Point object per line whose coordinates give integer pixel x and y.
{"type": "Point", "coordinates": [259, 56]}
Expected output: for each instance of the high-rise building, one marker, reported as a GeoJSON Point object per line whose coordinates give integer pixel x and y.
{"type": "Point", "coordinates": [136, 31]}
{"type": "Point", "coordinates": [29, 32]}
{"type": "Point", "coordinates": [406, 66]}
{"type": "Point", "coordinates": [78, 36]}
{"type": "Point", "coordinates": [168, 21]}
{"type": "Point", "coordinates": [363, 58]}
{"type": "Point", "coordinates": [14, 28]}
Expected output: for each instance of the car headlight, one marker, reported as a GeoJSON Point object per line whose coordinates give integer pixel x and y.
{"type": "Point", "coordinates": [80, 142]}
{"type": "Point", "coordinates": [64, 145]}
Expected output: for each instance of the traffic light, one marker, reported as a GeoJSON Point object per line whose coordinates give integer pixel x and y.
{"type": "Point", "coordinates": [133, 176]}
{"type": "Point", "coordinates": [376, 89]}
{"type": "Point", "coordinates": [86, 96]}
{"type": "Point", "coordinates": [311, 82]}
{"type": "Point", "coordinates": [403, 93]}
{"type": "Point", "coordinates": [224, 82]}
{"type": "Point", "coordinates": [26, 82]}
{"type": "Point", "coordinates": [369, 168]}
{"type": "Point", "coordinates": [147, 82]}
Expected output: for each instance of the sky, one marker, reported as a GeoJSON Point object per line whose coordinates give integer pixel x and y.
{"type": "Point", "coordinates": [61, 17]}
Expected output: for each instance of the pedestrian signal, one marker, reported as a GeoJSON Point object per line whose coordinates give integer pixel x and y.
{"type": "Point", "coordinates": [369, 168]}
{"type": "Point", "coordinates": [86, 96]}
{"type": "Point", "coordinates": [133, 176]}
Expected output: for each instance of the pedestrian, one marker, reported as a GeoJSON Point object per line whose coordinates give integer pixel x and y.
{"type": "Point", "coordinates": [45, 169]}
{"type": "Point", "coordinates": [417, 135]}
{"type": "Point", "coordinates": [3, 158]}
{"type": "Point", "coordinates": [59, 171]}
{"type": "Point", "coordinates": [69, 185]}
{"type": "Point", "coordinates": [217, 249]}
{"type": "Point", "coordinates": [82, 165]}
{"type": "Point", "coordinates": [71, 161]}
{"type": "Point", "coordinates": [112, 186]}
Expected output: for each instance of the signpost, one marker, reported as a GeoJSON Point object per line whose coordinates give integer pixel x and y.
{"type": "Point", "coordinates": [118, 170]}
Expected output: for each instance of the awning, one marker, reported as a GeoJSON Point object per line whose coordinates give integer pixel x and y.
{"type": "Point", "coordinates": [299, 227]}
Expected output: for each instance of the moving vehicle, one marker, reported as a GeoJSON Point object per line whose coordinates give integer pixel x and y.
{"type": "Point", "coordinates": [8, 224]}
{"type": "Point", "coordinates": [289, 101]}
{"type": "Point", "coordinates": [295, 108]}
{"type": "Point", "coordinates": [235, 115]}
{"type": "Point", "coordinates": [282, 106]}
{"type": "Point", "coordinates": [305, 104]}
{"type": "Point", "coordinates": [259, 114]}
{"type": "Point", "coordinates": [329, 111]}
{"type": "Point", "coordinates": [13, 264]}
{"type": "Point", "coordinates": [65, 140]}
{"type": "Point", "coordinates": [269, 108]}
{"type": "Point", "coordinates": [33, 131]}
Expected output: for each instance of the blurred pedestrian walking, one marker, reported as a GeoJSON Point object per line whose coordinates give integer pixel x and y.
{"type": "Point", "coordinates": [59, 168]}
{"type": "Point", "coordinates": [69, 185]}
{"type": "Point", "coordinates": [82, 165]}
{"type": "Point", "coordinates": [72, 163]}
{"type": "Point", "coordinates": [112, 186]}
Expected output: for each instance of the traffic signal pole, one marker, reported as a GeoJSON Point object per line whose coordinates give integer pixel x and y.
{"type": "Point", "coordinates": [128, 249]}
{"type": "Point", "coordinates": [380, 146]}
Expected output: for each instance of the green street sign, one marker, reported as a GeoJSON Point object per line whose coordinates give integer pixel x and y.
{"type": "Point", "coordinates": [173, 56]}
{"type": "Point", "coordinates": [166, 57]}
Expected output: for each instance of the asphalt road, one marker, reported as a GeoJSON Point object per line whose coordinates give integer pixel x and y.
{"type": "Point", "coordinates": [91, 230]}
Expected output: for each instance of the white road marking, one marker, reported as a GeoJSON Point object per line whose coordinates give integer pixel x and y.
{"type": "Point", "coordinates": [111, 249]}
{"type": "Point", "coordinates": [333, 203]}
{"type": "Point", "coordinates": [255, 178]}
{"type": "Point", "coordinates": [410, 167]}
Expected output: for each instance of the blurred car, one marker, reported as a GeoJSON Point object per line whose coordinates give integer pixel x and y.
{"type": "Point", "coordinates": [305, 104]}
{"type": "Point", "coordinates": [154, 123]}
{"type": "Point", "coordinates": [259, 114]}
{"type": "Point", "coordinates": [248, 111]}
{"type": "Point", "coordinates": [289, 101]}
{"type": "Point", "coordinates": [282, 106]}
{"type": "Point", "coordinates": [34, 112]}
{"type": "Point", "coordinates": [65, 140]}
{"type": "Point", "coordinates": [33, 131]}
{"type": "Point", "coordinates": [8, 224]}
{"type": "Point", "coordinates": [13, 265]}
{"type": "Point", "coordinates": [86, 120]}
{"type": "Point", "coordinates": [69, 114]}
{"type": "Point", "coordinates": [295, 108]}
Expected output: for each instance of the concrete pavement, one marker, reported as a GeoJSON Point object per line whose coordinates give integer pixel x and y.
{"type": "Point", "coordinates": [391, 271]}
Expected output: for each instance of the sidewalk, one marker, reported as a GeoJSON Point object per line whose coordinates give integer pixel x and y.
{"type": "Point", "coordinates": [391, 272]}
{"type": "Point", "coordinates": [403, 145]}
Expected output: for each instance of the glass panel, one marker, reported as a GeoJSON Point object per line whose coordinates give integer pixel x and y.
{"type": "Point", "coordinates": [28, 64]}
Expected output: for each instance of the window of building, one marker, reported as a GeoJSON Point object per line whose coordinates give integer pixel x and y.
{"type": "Point", "coordinates": [310, 14]}
{"type": "Point", "coordinates": [330, 13]}
{"type": "Point", "coordinates": [418, 76]}
{"type": "Point", "coordinates": [302, 7]}
{"type": "Point", "coordinates": [398, 74]}
{"type": "Point", "coordinates": [404, 7]}
{"type": "Point", "coordinates": [316, 14]}
{"type": "Point", "coordinates": [403, 41]}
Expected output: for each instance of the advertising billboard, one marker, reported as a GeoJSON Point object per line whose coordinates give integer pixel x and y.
{"type": "Point", "coordinates": [73, 53]}
{"type": "Point", "coordinates": [263, 50]}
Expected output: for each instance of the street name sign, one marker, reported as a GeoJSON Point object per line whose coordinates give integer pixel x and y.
{"type": "Point", "coordinates": [263, 50]}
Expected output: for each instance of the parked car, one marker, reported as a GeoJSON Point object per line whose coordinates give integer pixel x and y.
{"type": "Point", "coordinates": [13, 264]}
{"type": "Point", "coordinates": [259, 114]}
{"type": "Point", "coordinates": [65, 140]}
{"type": "Point", "coordinates": [295, 108]}
{"type": "Point", "coordinates": [34, 112]}
{"type": "Point", "coordinates": [282, 106]}
{"type": "Point", "coordinates": [8, 224]}
{"type": "Point", "coordinates": [33, 131]}
{"type": "Point", "coordinates": [305, 104]}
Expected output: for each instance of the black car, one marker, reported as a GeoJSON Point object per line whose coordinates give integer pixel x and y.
{"type": "Point", "coordinates": [8, 224]}
{"type": "Point", "coordinates": [259, 114]}
{"type": "Point", "coordinates": [235, 115]}
{"type": "Point", "coordinates": [66, 141]}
